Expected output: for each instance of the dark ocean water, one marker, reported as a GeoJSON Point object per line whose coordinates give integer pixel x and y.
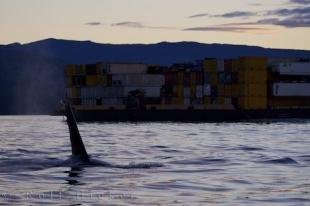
{"type": "Point", "coordinates": [250, 163]}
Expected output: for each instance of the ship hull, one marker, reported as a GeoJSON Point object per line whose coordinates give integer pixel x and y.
{"type": "Point", "coordinates": [187, 115]}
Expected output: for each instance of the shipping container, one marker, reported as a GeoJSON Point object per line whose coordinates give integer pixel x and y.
{"type": "Point", "coordinates": [149, 80]}
{"type": "Point", "coordinates": [92, 69]}
{"type": "Point", "coordinates": [178, 101]}
{"type": "Point", "coordinates": [126, 68]}
{"type": "Point", "coordinates": [187, 101]}
{"type": "Point", "coordinates": [199, 78]}
{"type": "Point", "coordinates": [180, 77]}
{"type": "Point", "coordinates": [187, 92]}
{"type": "Point", "coordinates": [294, 68]}
{"type": "Point", "coordinates": [197, 101]}
{"type": "Point", "coordinates": [228, 90]}
{"type": "Point", "coordinates": [210, 65]}
{"type": "Point", "coordinates": [148, 91]}
{"type": "Point", "coordinates": [207, 90]}
{"type": "Point", "coordinates": [199, 91]}
{"type": "Point", "coordinates": [80, 70]}
{"type": "Point", "coordinates": [252, 63]}
{"type": "Point", "coordinates": [211, 78]}
{"type": "Point", "coordinates": [221, 90]}
{"type": "Point", "coordinates": [73, 92]}
{"type": "Point", "coordinates": [228, 65]}
{"type": "Point", "coordinates": [70, 70]}
{"type": "Point", "coordinates": [220, 65]}
{"type": "Point", "coordinates": [252, 103]}
{"type": "Point", "coordinates": [104, 92]}
{"type": "Point", "coordinates": [252, 76]}
{"type": "Point", "coordinates": [193, 91]}
{"type": "Point", "coordinates": [252, 90]}
{"type": "Point", "coordinates": [178, 91]}
{"type": "Point", "coordinates": [92, 80]}
{"type": "Point", "coordinates": [170, 78]}
{"type": "Point", "coordinates": [291, 89]}
{"type": "Point", "coordinates": [193, 78]}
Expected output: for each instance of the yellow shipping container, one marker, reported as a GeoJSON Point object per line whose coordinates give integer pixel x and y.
{"type": "Point", "coordinates": [178, 91]}
{"type": "Point", "coordinates": [252, 90]}
{"type": "Point", "coordinates": [80, 70]}
{"type": "Point", "coordinates": [235, 90]}
{"type": "Point", "coordinates": [103, 80]}
{"type": "Point", "coordinates": [228, 90]}
{"type": "Point", "coordinates": [235, 65]}
{"type": "Point", "coordinates": [210, 65]}
{"type": "Point", "coordinates": [69, 81]}
{"type": "Point", "coordinates": [221, 90]}
{"type": "Point", "coordinates": [92, 80]}
{"type": "Point", "coordinates": [252, 103]}
{"type": "Point", "coordinates": [193, 91]}
{"type": "Point", "coordinates": [180, 77]}
{"type": "Point", "coordinates": [252, 63]}
{"type": "Point", "coordinates": [70, 70]}
{"type": "Point", "coordinates": [252, 76]}
{"type": "Point", "coordinates": [74, 92]}
{"type": "Point", "coordinates": [193, 78]}
{"type": "Point", "coordinates": [178, 101]}
{"type": "Point", "coordinates": [220, 100]}
{"type": "Point", "coordinates": [207, 100]}
{"type": "Point", "coordinates": [213, 78]}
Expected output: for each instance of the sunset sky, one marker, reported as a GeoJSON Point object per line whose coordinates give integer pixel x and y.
{"type": "Point", "coordinates": [277, 23]}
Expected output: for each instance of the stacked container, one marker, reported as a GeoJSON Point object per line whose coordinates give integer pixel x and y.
{"type": "Point", "coordinates": [252, 83]}
{"type": "Point", "coordinates": [290, 86]}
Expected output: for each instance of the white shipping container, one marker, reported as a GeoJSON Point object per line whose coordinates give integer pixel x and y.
{"type": "Point", "coordinates": [89, 101]}
{"type": "Point", "coordinates": [291, 89]}
{"type": "Point", "coordinates": [187, 92]}
{"type": "Point", "coordinates": [126, 68]}
{"type": "Point", "coordinates": [153, 80]}
{"type": "Point", "coordinates": [148, 91]}
{"type": "Point", "coordinates": [294, 68]}
{"type": "Point", "coordinates": [104, 92]}
{"type": "Point", "coordinates": [187, 101]}
{"type": "Point", "coordinates": [118, 80]}
{"type": "Point", "coordinates": [112, 101]}
{"type": "Point", "coordinates": [228, 100]}
{"type": "Point", "coordinates": [207, 90]}
{"type": "Point", "coordinates": [199, 91]}
{"type": "Point", "coordinates": [148, 80]}
{"type": "Point", "coordinates": [68, 93]}
{"type": "Point", "coordinates": [220, 65]}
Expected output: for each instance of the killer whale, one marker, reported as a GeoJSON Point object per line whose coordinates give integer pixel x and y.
{"type": "Point", "coordinates": [79, 153]}
{"type": "Point", "coordinates": [77, 146]}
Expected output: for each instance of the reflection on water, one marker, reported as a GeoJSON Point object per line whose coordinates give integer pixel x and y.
{"type": "Point", "coordinates": [241, 163]}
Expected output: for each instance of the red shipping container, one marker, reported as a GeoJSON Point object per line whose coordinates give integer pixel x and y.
{"type": "Point", "coordinates": [228, 65]}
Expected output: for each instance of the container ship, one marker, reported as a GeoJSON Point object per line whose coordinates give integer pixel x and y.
{"type": "Point", "coordinates": [211, 89]}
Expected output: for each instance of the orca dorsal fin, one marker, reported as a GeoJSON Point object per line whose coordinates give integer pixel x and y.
{"type": "Point", "coordinates": [77, 145]}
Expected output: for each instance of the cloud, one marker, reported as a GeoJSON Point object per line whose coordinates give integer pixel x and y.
{"type": "Point", "coordinates": [290, 22]}
{"type": "Point", "coordinates": [255, 4]}
{"type": "Point", "coordinates": [132, 24]}
{"type": "Point", "coordinates": [225, 29]}
{"type": "Point", "coordinates": [94, 23]}
{"type": "Point", "coordinates": [139, 25]}
{"type": "Point", "coordinates": [198, 15]}
{"type": "Point", "coordinates": [236, 14]}
{"type": "Point", "coordinates": [304, 2]}
{"type": "Point", "coordinates": [226, 15]}
{"type": "Point", "coordinates": [290, 12]}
